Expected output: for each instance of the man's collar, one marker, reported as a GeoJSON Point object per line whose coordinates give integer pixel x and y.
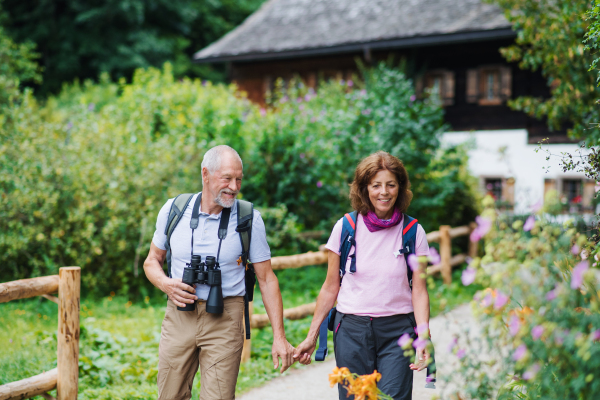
{"type": "Point", "coordinates": [218, 216]}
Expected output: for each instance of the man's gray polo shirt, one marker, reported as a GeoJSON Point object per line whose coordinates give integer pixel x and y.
{"type": "Point", "coordinates": [206, 243]}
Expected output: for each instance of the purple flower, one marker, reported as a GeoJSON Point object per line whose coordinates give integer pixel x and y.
{"type": "Point", "coordinates": [529, 224]}
{"type": "Point", "coordinates": [501, 300]}
{"type": "Point", "coordinates": [263, 112]}
{"type": "Point", "coordinates": [575, 249]}
{"type": "Point", "coordinates": [460, 353]}
{"type": "Point", "coordinates": [420, 343]}
{"type": "Point", "coordinates": [468, 276]}
{"type": "Point", "coordinates": [299, 100]}
{"type": "Point", "coordinates": [363, 92]}
{"type": "Point", "coordinates": [350, 83]}
{"type": "Point", "coordinates": [537, 332]}
{"type": "Point", "coordinates": [319, 184]}
{"type": "Point", "coordinates": [531, 372]}
{"type": "Point", "coordinates": [203, 83]}
{"type": "Point", "coordinates": [577, 275]}
{"type": "Point", "coordinates": [596, 335]}
{"type": "Point", "coordinates": [519, 352]}
{"type": "Point", "coordinates": [537, 206]}
{"type": "Point", "coordinates": [404, 340]}
{"type": "Point", "coordinates": [487, 300]}
{"type": "Point", "coordinates": [301, 107]}
{"type": "Point", "coordinates": [422, 328]}
{"type": "Point", "coordinates": [413, 97]}
{"type": "Point", "coordinates": [307, 97]}
{"type": "Point", "coordinates": [413, 262]}
{"type": "Point", "coordinates": [452, 344]}
{"type": "Point", "coordinates": [514, 325]}
{"type": "Point", "coordinates": [434, 256]}
{"type": "Point", "coordinates": [483, 227]}
{"type": "Point", "coordinates": [551, 295]}
{"type": "Point", "coordinates": [91, 107]}
{"type": "Point", "coordinates": [302, 155]}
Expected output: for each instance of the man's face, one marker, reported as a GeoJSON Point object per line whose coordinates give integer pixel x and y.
{"type": "Point", "coordinates": [224, 184]}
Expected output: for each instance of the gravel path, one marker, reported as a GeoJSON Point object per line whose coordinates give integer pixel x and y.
{"type": "Point", "coordinates": [312, 382]}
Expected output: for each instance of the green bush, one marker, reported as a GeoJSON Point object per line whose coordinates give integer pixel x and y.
{"type": "Point", "coordinates": [539, 313]}
{"type": "Point", "coordinates": [83, 175]}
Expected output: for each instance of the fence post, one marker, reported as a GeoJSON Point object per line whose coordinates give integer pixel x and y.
{"type": "Point", "coordinates": [247, 342]}
{"type": "Point", "coordinates": [473, 246]}
{"type": "Point", "coordinates": [445, 253]}
{"type": "Point", "coordinates": [69, 283]}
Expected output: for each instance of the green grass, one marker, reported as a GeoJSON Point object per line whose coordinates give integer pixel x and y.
{"type": "Point", "coordinates": [119, 339]}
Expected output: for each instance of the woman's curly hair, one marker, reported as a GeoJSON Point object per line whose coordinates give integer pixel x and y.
{"type": "Point", "coordinates": [367, 169]}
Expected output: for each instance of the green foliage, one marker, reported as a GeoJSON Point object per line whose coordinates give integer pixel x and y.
{"type": "Point", "coordinates": [549, 39]}
{"type": "Point", "coordinates": [540, 315]}
{"type": "Point", "coordinates": [83, 39]}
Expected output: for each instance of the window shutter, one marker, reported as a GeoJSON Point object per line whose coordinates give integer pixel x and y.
{"type": "Point", "coordinates": [419, 86]}
{"type": "Point", "coordinates": [472, 85]}
{"type": "Point", "coordinates": [506, 83]}
{"type": "Point", "coordinates": [448, 91]}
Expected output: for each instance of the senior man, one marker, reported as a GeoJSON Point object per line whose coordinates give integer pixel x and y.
{"type": "Point", "coordinates": [212, 341]}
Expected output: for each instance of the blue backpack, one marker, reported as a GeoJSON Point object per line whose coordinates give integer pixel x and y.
{"type": "Point", "coordinates": [347, 241]}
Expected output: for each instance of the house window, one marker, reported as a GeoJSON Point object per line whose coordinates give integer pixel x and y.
{"type": "Point", "coordinates": [572, 190]}
{"type": "Point", "coordinates": [501, 189]}
{"type": "Point", "coordinates": [489, 86]}
{"type": "Point", "coordinates": [440, 83]}
{"type": "Point", "coordinates": [493, 187]}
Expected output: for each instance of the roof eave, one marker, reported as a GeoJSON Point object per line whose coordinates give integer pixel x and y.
{"type": "Point", "coordinates": [415, 41]}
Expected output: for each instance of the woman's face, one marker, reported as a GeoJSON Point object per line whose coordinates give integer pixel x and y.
{"type": "Point", "coordinates": [383, 192]}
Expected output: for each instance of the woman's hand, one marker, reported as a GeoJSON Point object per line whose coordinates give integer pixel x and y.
{"type": "Point", "coordinates": [421, 357]}
{"type": "Point", "coordinates": [304, 351]}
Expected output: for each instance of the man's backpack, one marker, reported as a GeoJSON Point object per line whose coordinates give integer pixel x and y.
{"type": "Point", "coordinates": [245, 215]}
{"type": "Point", "coordinates": [347, 241]}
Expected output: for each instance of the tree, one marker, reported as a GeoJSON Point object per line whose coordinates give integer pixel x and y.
{"type": "Point", "coordinates": [550, 35]}
{"type": "Point", "coordinates": [81, 39]}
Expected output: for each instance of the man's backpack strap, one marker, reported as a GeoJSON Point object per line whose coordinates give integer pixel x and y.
{"type": "Point", "coordinates": [175, 213]}
{"type": "Point", "coordinates": [245, 215]}
{"type": "Point", "coordinates": [409, 238]}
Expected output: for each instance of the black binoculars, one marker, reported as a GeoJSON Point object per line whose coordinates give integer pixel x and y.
{"type": "Point", "coordinates": [205, 273]}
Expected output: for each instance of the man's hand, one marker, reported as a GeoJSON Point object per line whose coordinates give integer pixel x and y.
{"type": "Point", "coordinates": [421, 358]}
{"type": "Point", "coordinates": [282, 348]}
{"type": "Point", "coordinates": [304, 351]}
{"type": "Point", "coordinates": [179, 293]}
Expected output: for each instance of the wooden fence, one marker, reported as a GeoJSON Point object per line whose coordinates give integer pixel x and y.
{"type": "Point", "coordinates": [65, 377]}
{"type": "Point", "coordinates": [443, 236]}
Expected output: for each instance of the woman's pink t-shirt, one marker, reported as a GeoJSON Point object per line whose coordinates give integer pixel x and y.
{"type": "Point", "coordinates": [379, 287]}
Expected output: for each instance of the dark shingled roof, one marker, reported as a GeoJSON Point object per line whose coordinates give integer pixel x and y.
{"type": "Point", "coordinates": [288, 28]}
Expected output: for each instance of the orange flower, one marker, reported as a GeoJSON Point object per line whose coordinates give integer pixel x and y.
{"type": "Point", "coordinates": [521, 313]}
{"type": "Point", "coordinates": [365, 387]}
{"type": "Point", "coordinates": [339, 375]}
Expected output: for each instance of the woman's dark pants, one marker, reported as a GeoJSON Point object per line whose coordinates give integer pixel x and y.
{"type": "Point", "coordinates": [365, 344]}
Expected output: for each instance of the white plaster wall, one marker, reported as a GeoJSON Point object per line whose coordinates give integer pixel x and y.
{"type": "Point", "coordinates": [506, 153]}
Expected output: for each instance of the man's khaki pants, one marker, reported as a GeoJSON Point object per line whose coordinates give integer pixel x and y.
{"type": "Point", "coordinates": [214, 341]}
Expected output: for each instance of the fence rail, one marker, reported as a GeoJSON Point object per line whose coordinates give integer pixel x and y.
{"type": "Point", "coordinates": [65, 377]}
{"type": "Point", "coordinates": [443, 236]}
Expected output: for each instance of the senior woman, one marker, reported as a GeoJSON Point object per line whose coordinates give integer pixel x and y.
{"type": "Point", "coordinates": [375, 305]}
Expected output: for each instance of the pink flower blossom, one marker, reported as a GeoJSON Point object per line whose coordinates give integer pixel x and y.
{"type": "Point", "coordinates": [537, 206]}
{"type": "Point", "coordinates": [577, 275]}
{"type": "Point", "coordinates": [307, 97]}
{"type": "Point", "coordinates": [483, 226]}
{"type": "Point", "coordinates": [404, 340]}
{"type": "Point", "coordinates": [551, 295]}
{"type": "Point", "coordinates": [487, 300]}
{"type": "Point", "coordinates": [514, 325]}
{"type": "Point", "coordinates": [529, 224]}
{"type": "Point", "coordinates": [350, 83]}
{"type": "Point", "coordinates": [302, 155]}
{"type": "Point", "coordinates": [301, 107]}
{"type": "Point", "coordinates": [420, 343]}
{"type": "Point", "coordinates": [575, 249]}
{"type": "Point", "coordinates": [596, 335]}
{"type": "Point", "coordinates": [413, 262]}
{"type": "Point", "coordinates": [430, 378]}
{"type": "Point", "coordinates": [434, 256]}
{"type": "Point", "coordinates": [531, 372]}
{"type": "Point", "coordinates": [537, 332]}
{"type": "Point", "coordinates": [468, 276]}
{"type": "Point", "coordinates": [452, 344]}
{"type": "Point", "coordinates": [263, 112]}
{"type": "Point", "coordinates": [519, 352]}
{"type": "Point", "coordinates": [501, 300]}
{"type": "Point", "coordinates": [422, 328]}
{"type": "Point", "coordinates": [319, 184]}
{"type": "Point", "coordinates": [461, 353]}
{"type": "Point", "coordinates": [413, 97]}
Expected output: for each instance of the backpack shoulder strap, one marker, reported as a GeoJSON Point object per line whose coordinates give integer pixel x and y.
{"type": "Point", "coordinates": [175, 213]}
{"type": "Point", "coordinates": [347, 240]}
{"type": "Point", "coordinates": [245, 215]}
{"type": "Point", "coordinates": [409, 237]}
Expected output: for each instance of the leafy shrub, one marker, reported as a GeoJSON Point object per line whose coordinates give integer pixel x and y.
{"type": "Point", "coordinates": [540, 314]}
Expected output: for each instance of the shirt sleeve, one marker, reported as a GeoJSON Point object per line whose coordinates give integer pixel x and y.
{"type": "Point", "coordinates": [259, 248]}
{"type": "Point", "coordinates": [160, 239]}
{"type": "Point", "coordinates": [422, 247]}
{"type": "Point", "coordinates": [333, 243]}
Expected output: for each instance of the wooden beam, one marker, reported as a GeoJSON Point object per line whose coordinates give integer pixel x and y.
{"type": "Point", "coordinates": [68, 333]}
{"type": "Point", "coordinates": [25, 288]}
{"type": "Point", "coordinates": [473, 246]}
{"type": "Point", "coordinates": [303, 311]}
{"type": "Point", "coordinates": [299, 260]}
{"type": "Point", "coordinates": [454, 261]}
{"type": "Point", "coordinates": [460, 231]}
{"type": "Point", "coordinates": [446, 253]}
{"type": "Point", "coordinates": [33, 386]}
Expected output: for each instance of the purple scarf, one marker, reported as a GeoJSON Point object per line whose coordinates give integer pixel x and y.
{"type": "Point", "coordinates": [375, 224]}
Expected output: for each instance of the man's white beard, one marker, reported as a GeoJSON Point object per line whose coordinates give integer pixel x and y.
{"type": "Point", "coordinates": [226, 203]}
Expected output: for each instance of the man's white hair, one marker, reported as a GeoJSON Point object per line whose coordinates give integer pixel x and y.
{"type": "Point", "coordinates": [212, 158]}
